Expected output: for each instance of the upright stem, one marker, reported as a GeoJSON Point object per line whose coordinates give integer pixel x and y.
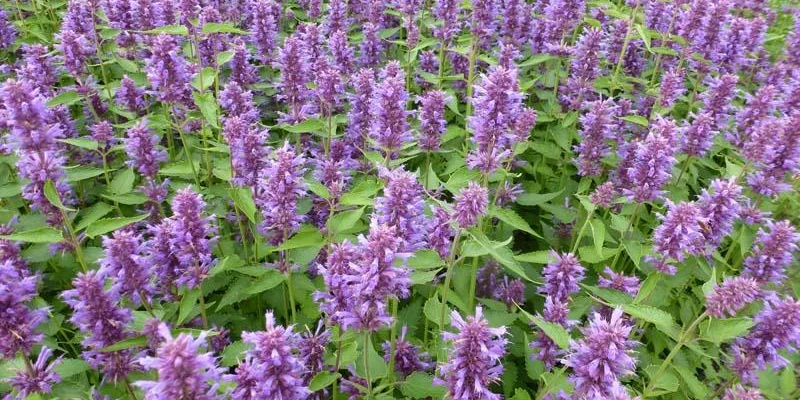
{"type": "Point", "coordinates": [580, 233]}
{"type": "Point", "coordinates": [441, 63]}
{"type": "Point", "coordinates": [366, 363]}
{"type": "Point", "coordinates": [624, 49]}
{"type": "Point", "coordinates": [393, 340]}
{"type": "Point", "coordinates": [289, 288]}
{"type": "Point", "coordinates": [189, 158]}
{"type": "Point", "coordinates": [203, 315]}
{"type": "Point", "coordinates": [448, 277]}
{"type": "Point", "coordinates": [622, 237]}
{"type": "Point", "coordinates": [682, 340]}
{"type": "Point", "coordinates": [471, 76]}
{"type": "Point", "coordinates": [74, 239]}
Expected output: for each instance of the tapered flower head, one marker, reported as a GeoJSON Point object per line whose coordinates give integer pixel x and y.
{"type": "Point", "coordinates": [124, 263]}
{"type": "Point", "coordinates": [38, 379]}
{"type": "Point", "coordinates": [144, 153]}
{"type": "Point", "coordinates": [732, 295]}
{"type": "Point", "coordinates": [562, 276]}
{"type": "Point", "coordinates": [390, 128]}
{"type": "Point", "coordinates": [279, 190]}
{"type": "Point", "coordinates": [402, 206]}
{"type": "Point", "coordinates": [470, 205]}
{"type": "Point", "coordinates": [168, 71]}
{"type": "Point", "coordinates": [408, 358]}
{"type": "Point", "coordinates": [772, 252]}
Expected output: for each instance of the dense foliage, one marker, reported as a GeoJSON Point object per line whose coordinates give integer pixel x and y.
{"type": "Point", "coordinates": [346, 199]}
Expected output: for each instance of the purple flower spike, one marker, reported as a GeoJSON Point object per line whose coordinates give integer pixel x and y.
{"type": "Point", "coordinates": [7, 32]}
{"type": "Point", "coordinates": [407, 356]}
{"type": "Point", "coordinates": [358, 117]}
{"type": "Point", "coordinates": [720, 207]}
{"type": "Point", "coordinates": [295, 67]}
{"type": "Point", "coordinates": [183, 371]}
{"type": "Point", "coordinates": [274, 363]}
{"type": "Point", "coordinates": [40, 378]}
{"type": "Point", "coordinates": [777, 328]}
{"type": "Point", "coordinates": [390, 128]}
{"type": "Point", "coordinates": [623, 283]}
{"type": "Point", "coordinates": [238, 102]}
{"type": "Point", "coordinates": [698, 136]}
{"type": "Point", "coordinates": [129, 95]}
{"type": "Point", "coordinates": [511, 292]}
{"type": "Point", "coordinates": [597, 126]}
{"type": "Point", "coordinates": [678, 235]}
{"type": "Point", "coordinates": [604, 195]}
{"type": "Point", "coordinates": [602, 356]}
{"type": "Point", "coordinates": [672, 87]}
{"type": "Point", "coordinates": [732, 295]}
{"type": "Point", "coordinates": [144, 154]}
{"type": "Point", "coordinates": [124, 263]}
{"type": "Point", "coordinates": [242, 72]}
{"type": "Point", "coordinates": [772, 252]}
{"type": "Point", "coordinates": [18, 322]}
{"type": "Point", "coordinates": [473, 362]}
{"type": "Point", "coordinates": [249, 154]}
{"type": "Point", "coordinates": [584, 68]}
{"type": "Point", "coordinates": [402, 207]}
{"type": "Point", "coordinates": [717, 99]}
{"type": "Point", "coordinates": [266, 19]}
{"type": "Point", "coordinates": [447, 12]}
{"type": "Point", "coordinates": [432, 121]}
{"type": "Point", "coordinates": [191, 237]}
{"type": "Point", "coordinates": [440, 233]}
{"type": "Point", "coordinates": [471, 205]}
{"type": "Point", "coordinates": [168, 71]}
{"type": "Point", "coordinates": [279, 189]}
{"type": "Point", "coordinates": [562, 276]}
{"type": "Point", "coordinates": [654, 158]}
{"type": "Point", "coordinates": [739, 392]}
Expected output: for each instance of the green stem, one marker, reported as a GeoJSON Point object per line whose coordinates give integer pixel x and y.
{"type": "Point", "coordinates": [447, 279]}
{"type": "Point", "coordinates": [291, 292]}
{"type": "Point", "coordinates": [625, 43]}
{"type": "Point", "coordinates": [393, 341]}
{"type": "Point", "coordinates": [625, 233]}
{"type": "Point", "coordinates": [189, 158]}
{"type": "Point", "coordinates": [581, 232]}
{"type": "Point", "coordinates": [203, 315]}
{"type": "Point", "coordinates": [129, 389]}
{"type": "Point", "coordinates": [366, 363]}
{"type": "Point", "coordinates": [74, 239]}
{"type": "Point", "coordinates": [683, 339]}
{"type": "Point", "coordinates": [471, 76]}
{"type": "Point", "coordinates": [683, 170]}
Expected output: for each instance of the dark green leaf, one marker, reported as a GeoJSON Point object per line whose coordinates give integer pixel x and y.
{"type": "Point", "coordinates": [106, 225]}
{"type": "Point", "coordinates": [243, 199]}
{"type": "Point", "coordinates": [226, 27]}
{"type": "Point", "coordinates": [322, 380]}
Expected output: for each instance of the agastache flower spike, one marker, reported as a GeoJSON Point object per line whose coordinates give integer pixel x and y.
{"type": "Point", "coordinates": [678, 235]}
{"type": "Point", "coordinates": [7, 32]}
{"type": "Point", "coordinates": [238, 102]}
{"type": "Point", "coordinates": [672, 87]}
{"type": "Point", "coordinates": [40, 378]}
{"type": "Point", "coordinates": [359, 115]}
{"type": "Point", "coordinates": [279, 190]}
{"type": "Point", "coordinates": [654, 158]}
{"type": "Point", "coordinates": [698, 136]}
{"type": "Point", "coordinates": [341, 52]}
{"type": "Point", "coordinates": [266, 16]}
{"type": "Point", "coordinates": [597, 126]}
{"type": "Point", "coordinates": [732, 295]}
{"type": "Point", "coordinates": [602, 356]}
{"type": "Point", "coordinates": [249, 154]}
{"type": "Point", "coordinates": [168, 72]}
{"type": "Point", "coordinates": [772, 252]}
{"type": "Point", "coordinates": [739, 392]}
{"type": "Point", "coordinates": [371, 46]}
{"type": "Point", "coordinates": [623, 283]}
{"type": "Point", "coordinates": [584, 68]}
{"type": "Point", "coordinates": [432, 121]}
{"type": "Point", "coordinates": [129, 95]}
{"type": "Point", "coordinates": [124, 263]}
{"type": "Point", "coordinates": [18, 322]}
{"type": "Point", "coordinates": [407, 356]}
{"type": "Point", "coordinates": [562, 276]}
{"type": "Point", "coordinates": [402, 207]}
{"type": "Point", "coordinates": [447, 12]}
{"type": "Point", "coordinates": [294, 65]}
{"type": "Point", "coordinates": [717, 98]}
{"type": "Point", "coordinates": [390, 128]}
{"type": "Point", "coordinates": [440, 233]}
{"type": "Point", "coordinates": [144, 154]}
{"type": "Point", "coordinates": [183, 371]}
{"type": "Point", "coordinates": [720, 207]}
{"type": "Point", "coordinates": [191, 238]}
{"type": "Point", "coordinates": [473, 362]}
{"type": "Point", "coordinates": [242, 72]}
{"type": "Point", "coordinates": [470, 205]}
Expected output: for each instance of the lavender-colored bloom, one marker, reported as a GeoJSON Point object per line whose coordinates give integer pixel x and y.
{"type": "Point", "coordinates": [759, 106]}
{"type": "Point", "coordinates": [470, 205]}
{"type": "Point", "coordinates": [654, 158]}
{"type": "Point", "coordinates": [334, 301]}
{"type": "Point", "coordinates": [40, 167]}
{"type": "Point", "coordinates": [623, 283]}
{"type": "Point", "coordinates": [672, 87]}
{"type": "Point", "coordinates": [774, 147]}
{"type": "Point", "coordinates": [18, 323]}
{"type": "Point", "coordinates": [511, 292]}
{"type": "Point", "coordinates": [518, 23]}
{"type": "Point", "coordinates": [144, 154]}
{"type": "Point", "coordinates": [547, 351]}
{"type": "Point", "coordinates": [772, 252]}
{"type": "Point", "coordinates": [7, 32]}
{"type": "Point", "coordinates": [168, 72]}
{"type": "Point", "coordinates": [698, 136]}
{"type": "Point", "coordinates": [473, 362]}
{"type": "Point", "coordinates": [402, 207]}
{"type": "Point", "coordinates": [390, 128]}
{"type": "Point", "coordinates": [359, 119]}
{"type": "Point", "coordinates": [483, 21]}
{"type": "Point", "coordinates": [604, 195]}
{"type": "Point", "coordinates": [371, 46]}
{"type": "Point", "coordinates": [210, 44]}
{"type": "Point", "coordinates": [313, 42]}
{"type": "Point", "coordinates": [777, 328]}
{"type": "Point", "coordinates": [336, 19]}
{"type": "Point", "coordinates": [311, 350]}
{"type": "Point", "coordinates": [242, 72]}
{"type": "Point", "coordinates": [507, 55]}
{"type": "Point", "coordinates": [183, 372]}
{"type": "Point", "coordinates": [37, 67]}
{"type": "Point", "coordinates": [584, 68]}
{"type": "Point", "coordinates": [124, 263]}
{"type": "Point", "coordinates": [500, 119]}
{"type": "Point", "coordinates": [342, 54]}
{"type": "Point", "coordinates": [191, 238]}
{"type": "Point", "coordinates": [678, 235]}
{"type": "Point", "coordinates": [447, 12]}
{"type": "Point", "coordinates": [40, 378]}
{"type": "Point", "coordinates": [602, 356]}
{"type": "Point", "coordinates": [76, 49]}
{"type": "Point", "coordinates": [280, 371]}
{"type": "Point", "coordinates": [293, 63]}
{"type": "Point", "coordinates": [507, 193]}
{"type": "Point", "coordinates": [103, 133]}
{"type": "Point", "coordinates": [429, 63]}
{"type": "Point", "coordinates": [264, 26]}
{"type": "Point", "coordinates": [432, 121]}
{"type": "Point", "coordinates": [717, 98]}
{"type": "Point", "coordinates": [739, 392]}
{"type": "Point", "coordinates": [279, 190]}
{"type": "Point", "coordinates": [27, 117]}
{"type": "Point", "coordinates": [409, 10]}
{"type": "Point", "coordinates": [720, 207]}
{"type": "Point", "coordinates": [97, 314]}
{"type": "Point", "coordinates": [732, 295]}
{"type": "Point", "coordinates": [329, 89]}
{"type": "Point", "coordinates": [487, 278]}
{"type": "Point", "coordinates": [597, 126]}
{"type": "Point", "coordinates": [440, 233]}
{"type": "Point", "coordinates": [129, 95]}
{"type": "Point", "coordinates": [562, 276]}
{"type": "Point", "coordinates": [165, 265]}
{"type": "Point", "coordinates": [407, 356]}
{"type": "Point", "coordinates": [238, 102]}
{"type": "Point", "coordinates": [249, 153]}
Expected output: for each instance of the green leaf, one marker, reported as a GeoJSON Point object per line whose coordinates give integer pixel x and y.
{"type": "Point", "coordinates": [65, 98]}
{"type": "Point", "coordinates": [590, 255]}
{"type": "Point", "coordinates": [130, 199]}
{"type": "Point", "coordinates": [502, 254]}
{"type": "Point", "coordinates": [433, 309]}
{"type": "Point", "coordinates": [535, 199]}
{"type": "Point", "coordinates": [10, 189]}
{"type": "Point", "coordinates": [664, 50]}
{"type": "Point", "coordinates": [721, 330]}
{"type": "Point", "coordinates": [83, 143]}
{"type": "Point", "coordinates": [425, 259]}
{"type": "Point", "coordinates": [698, 389]}
{"type": "Point", "coordinates": [125, 64]}
{"type": "Point", "coordinates": [648, 286]}
{"type": "Point", "coordinates": [309, 125]}
{"type": "Point", "coordinates": [318, 189]}
{"type": "Point", "coordinates": [109, 33]}
{"type": "Point", "coordinates": [322, 380]}
{"type": "Point", "coordinates": [169, 29]}
{"type": "Point", "coordinates": [230, 262]}
{"type": "Point", "coordinates": [106, 225]}
{"type": "Point", "coordinates": [599, 234]}
{"type": "Point", "coordinates": [96, 211]}
{"type": "Point", "coordinates": [224, 57]}
{"type": "Point", "coordinates": [208, 107]}
{"type": "Point", "coordinates": [420, 277]}
{"type": "Point", "coordinates": [226, 27]}
{"type": "Point", "coordinates": [658, 317]}
{"type": "Point", "coordinates": [269, 280]}
{"type": "Point", "coordinates": [376, 364]}
{"type": "Point", "coordinates": [535, 257]}
{"type": "Point", "coordinates": [512, 219]}
{"type": "Point", "coordinates": [81, 173]}
{"type": "Point", "coordinates": [636, 119]}
{"type": "Point", "coordinates": [243, 199]}
{"type": "Point", "coordinates": [123, 182]}
{"type": "Point", "coordinates": [233, 353]}
{"type": "Point", "coordinates": [611, 296]}
{"type": "Point", "coordinates": [361, 194]}
{"type": "Point", "coordinates": [634, 250]}
{"type": "Point", "coordinates": [556, 332]}
{"type": "Point", "coordinates": [343, 221]}
{"type": "Point", "coordinates": [310, 236]}
{"type": "Point", "coordinates": [644, 35]}
{"type": "Point", "coordinates": [667, 382]}
{"type": "Point", "coordinates": [188, 302]}
{"type": "Point", "coordinates": [235, 292]}
{"type": "Point", "coordinates": [39, 235]}
{"type": "Point", "coordinates": [52, 195]}
{"type": "Point", "coordinates": [420, 385]}
{"type": "Point", "coordinates": [137, 341]}
{"type": "Point", "coordinates": [70, 367]}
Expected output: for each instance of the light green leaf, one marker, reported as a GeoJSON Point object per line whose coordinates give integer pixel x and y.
{"type": "Point", "coordinates": [170, 30]}
{"type": "Point", "coordinates": [420, 385]}
{"type": "Point", "coordinates": [81, 173]}
{"type": "Point", "coordinates": [660, 318]}
{"type": "Point", "coordinates": [535, 257]}
{"type": "Point", "coordinates": [225, 27]}
{"type": "Point", "coordinates": [39, 235]}
{"type": "Point", "coordinates": [65, 98]}
{"type": "Point", "coordinates": [513, 219]}
{"type": "Point", "coordinates": [322, 380]}
{"type": "Point", "coordinates": [243, 200]}
{"type": "Point", "coordinates": [307, 126]}
{"type": "Point", "coordinates": [502, 254]}
{"type": "Point", "coordinates": [106, 225]}
{"type": "Point", "coordinates": [535, 199]}
{"type": "Point", "coordinates": [234, 353]}
{"type": "Point", "coordinates": [70, 367]}
{"type": "Point", "coordinates": [83, 143]}
{"type": "Point", "coordinates": [188, 302]}
{"type": "Point", "coordinates": [123, 182]}
{"type": "Point", "coordinates": [344, 221]}
{"type": "Point", "coordinates": [553, 331]}
{"type": "Point", "coordinates": [269, 280]}
{"type": "Point", "coordinates": [307, 237]}
{"type": "Point", "coordinates": [636, 119]}
{"type": "Point", "coordinates": [721, 330]}
{"type": "Point", "coordinates": [599, 234]}
{"type": "Point", "coordinates": [52, 195]}
{"type": "Point", "coordinates": [208, 107]}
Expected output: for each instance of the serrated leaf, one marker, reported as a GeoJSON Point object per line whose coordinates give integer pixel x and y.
{"type": "Point", "coordinates": [188, 302]}
{"type": "Point", "coordinates": [343, 221]}
{"type": "Point", "coordinates": [235, 293]}
{"type": "Point", "coordinates": [433, 308]}
{"type": "Point", "coordinates": [720, 330]}
{"type": "Point", "coordinates": [70, 367]}
{"type": "Point", "coordinates": [234, 353]}
{"type": "Point", "coordinates": [512, 219]}
{"type": "Point", "coordinates": [647, 287]}
{"type": "Point", "coordinates": [83, 143]}
{"type": "Point", "coordinates": [243, 200]}
{"type": "Point", "coordinates": [96, 211]}
{"type": "Point", "coordinates": [64, 98]}
{"type": "Point", "coordinates": [310, 236]}
{"type": "Point", "coordinates": [611, 296]}
{"type": "Point", "coordinates": [535, 199]}
{"type": "Point", "coordinates": [208, 107]}
{"type": "Point", "coordinates": [224, 27]}
{"type": "Point", "coordinates": [137, 341]}
{"type": "Point", "coordinates": [656, 316]}
{"type": "Point", "coordinates": [318, 189]}
{"type": "Point", "coordinates": [322, 380]}
{"type": "Point", "coordinates": [123, 182]}
{"type": "Point", "coordinates": [52, 195]}
{"type": "Point", "coordinates": [535, 257]}
{"type": "Point", "coordinates": [644, 35]}
{"type": "Point", "coordinates": [636, 119]}
{"type": "Point", "coordinates": [361, 195]}
{"type": "Point", "coordinates": [698, 389]}
{"type": "Point", "coordinates": [103, 226]}
{"type": "Point", "coordinates": [170, 30]}
{"type": "Point", "coordinates": [307, 126]}
{"type": "Point", "coordinates": [420, 385]}
{"type": "Point", "coordinates": [502, 254]}
{"type": "Point", "coordinates": [39, 235]}
{"type": "Point", "coordinates": [130, 199]}
{"type": "Point", "coordinates": [598, 234]}
{"type": "Point", "coordinates": [81, 173]}
{"type": "Point", "coordinates": [553, 331]}
{"type": "Point", "coordinates": [269, 280]}
{"type": "Point", "coordinates": [224, 57]}
{"type": "Point", "coordinates": [420, 277]}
